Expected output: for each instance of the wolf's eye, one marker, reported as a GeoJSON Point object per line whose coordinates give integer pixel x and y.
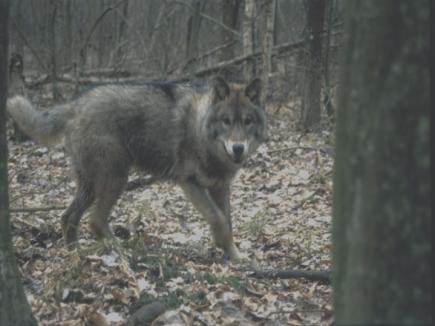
{"type": "Point", "coordinates": [226, 121]}
{"type": "Point", "coordinates": [247, 121]}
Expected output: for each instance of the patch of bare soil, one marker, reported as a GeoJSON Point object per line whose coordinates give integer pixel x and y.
{"type": "Point", "coordinates": [281, 206]}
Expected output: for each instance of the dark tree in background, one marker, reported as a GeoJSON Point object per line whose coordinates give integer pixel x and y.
{"type": "Point", "coordinates": [14, 309]}
{"type": "Point", "coordinates": [310, 112]}
{"type": "Point", "coordinates": [381, 210]}
{"type": "Point", "coordinates": [230, 15]}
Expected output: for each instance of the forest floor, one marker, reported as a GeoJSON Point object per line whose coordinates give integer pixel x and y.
{"type": "Point", "coordinates": [281, 208]}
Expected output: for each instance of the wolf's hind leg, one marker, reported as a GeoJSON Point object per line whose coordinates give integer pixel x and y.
{"type": "Point", "coordinates": [220, 225]}
{"type": "Point", "coordinates": [83, 199]}
{"type": "Point", "coordinates": [108, 191]}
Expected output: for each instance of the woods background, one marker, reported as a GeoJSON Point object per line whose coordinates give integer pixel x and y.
{"type": "Point", "coordinates": [292, 45]}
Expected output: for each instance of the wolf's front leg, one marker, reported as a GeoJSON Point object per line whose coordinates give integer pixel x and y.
{"type": "Point", "coordinates": [221, 196]}
{"type": "Point", "coordinates": [218, 219]}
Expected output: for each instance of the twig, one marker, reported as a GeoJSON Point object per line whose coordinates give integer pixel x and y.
{"type": "Point", "coordinates": [217, 22]}
{"type": "Point", "coordinates": [321, 276]}
{"type": "Point", "coordinates": [285, 149]}
{"type": "Point", "coordinates": [36, 209]}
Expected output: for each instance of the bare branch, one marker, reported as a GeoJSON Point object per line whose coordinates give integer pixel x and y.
{"type": "Point", "coordinates": [217, 22]}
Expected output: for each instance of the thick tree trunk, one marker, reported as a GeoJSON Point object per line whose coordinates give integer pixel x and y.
{"type": "Point", "coordinates": [381, 210]}
{"type": "Point", "coordinates": [313, 75]}
{"type": "Point", "coordinates": [14, 309]}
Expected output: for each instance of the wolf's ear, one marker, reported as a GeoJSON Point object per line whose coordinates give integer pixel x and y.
{"type": "Point", "coordinates": [253, 91]}
{"type": "Point", "coordinates": [221, 90]}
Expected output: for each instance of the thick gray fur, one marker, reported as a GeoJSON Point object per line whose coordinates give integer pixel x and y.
{"type": "Point", "coordinates": [196, 136]}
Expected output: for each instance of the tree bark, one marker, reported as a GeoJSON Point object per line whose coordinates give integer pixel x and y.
{"type": "Point", "coordinates": [313, 75]}
{"type": "Point", "coordinates": [14, 309]}
{"type": "Point", "coordinates": [121, 32]}
{"type": "Point", "coordinates": [267, 45]}
{"type": "Point", "coordinates": [230, 15]}
{"type": "Point", "coordinates": [194, 23]}
{"type": "Point", "coordinates": [381, 206]}
{"type": "Point", "coordinates": [248, 38]}
{"type": "Point", "coordinates": [68, 39]}
{"type": "Point", "coordinates": [52, 46]}
{"type": "Point", "coordinates": [327, 99]}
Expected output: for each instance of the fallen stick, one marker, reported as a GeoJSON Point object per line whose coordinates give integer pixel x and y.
{"type": "Point", "coordinates": [36, 209]}
{"type": "Point", "coordinates": [321, 276]}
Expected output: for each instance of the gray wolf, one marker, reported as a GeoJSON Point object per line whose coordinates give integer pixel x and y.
{"type": "Point", "coordinates": [198, 136]}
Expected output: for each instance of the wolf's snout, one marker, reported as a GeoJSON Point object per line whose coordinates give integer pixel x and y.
{"type": "Point", "coordinates": [238, 150]}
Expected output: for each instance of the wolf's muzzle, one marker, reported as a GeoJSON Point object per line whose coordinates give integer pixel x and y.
{"type": "Point", "coordinates": [238, 150]}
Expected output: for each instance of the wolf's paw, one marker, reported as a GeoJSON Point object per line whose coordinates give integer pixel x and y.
{"type": "Point", "coordinates": [236, 256]}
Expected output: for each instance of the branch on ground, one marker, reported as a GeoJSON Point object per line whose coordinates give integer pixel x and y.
{"type": "Point", "coordinates": [36, 209]}
{"type": "Point", "coordinates": [321, 276]}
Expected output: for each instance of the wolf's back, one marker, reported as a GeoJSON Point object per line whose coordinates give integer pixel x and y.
{"type": "Point", "coordinates": [44, 127]}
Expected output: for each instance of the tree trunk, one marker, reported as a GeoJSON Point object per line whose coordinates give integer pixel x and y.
{"type": "Point", "coordinates": [121, 32]}
{"type": "Point", "coordinates": [267, 45]}
{"type": "Point", "coordinates": [248, 38]}
{"type": "Point", "coordinates": [313, 75]}
{"type": "Point", "coordinates": [14, 309]}
{"type": "Point", "coordinates": [68, 39]}
{"type": "Point", "coordinates": [19, 46]}
{"type": "Point", "coordinates": [327, 99]}
{"type": "Point", "coordinates": [52, 46]}
{"type": "Point", "coordinates": [194, 23]}
{"type": "Point", "coordinates": [230, 14]}
{"type": "Point", "coordinates": [381, 208]}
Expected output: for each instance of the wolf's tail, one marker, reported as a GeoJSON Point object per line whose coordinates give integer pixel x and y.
{"type": "Point", "coordinates": [44, 127]}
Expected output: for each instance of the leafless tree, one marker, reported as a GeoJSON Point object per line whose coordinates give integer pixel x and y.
{"type": "Point", "coordinates": [14, 308]}
{"type": "Point", "coordinates": [310, 111]}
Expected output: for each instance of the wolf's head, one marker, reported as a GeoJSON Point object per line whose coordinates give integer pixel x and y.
{"type": "Point", "coordinates": [236, 122]}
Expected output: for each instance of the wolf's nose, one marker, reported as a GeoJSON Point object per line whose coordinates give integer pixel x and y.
{"type": "Point", "coordinates": [238, 149]}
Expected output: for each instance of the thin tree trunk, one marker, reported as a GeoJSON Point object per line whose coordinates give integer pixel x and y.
{"type": "Point", "coordinates": [311, 92]}
{"type": "Point", "coordinates": [68, 40]}
{"type": "Point", "coordinates": [154, 28]}
{"type": "Point", "coordinates": [19, 46]}
{"type": "Point", "coordinates": [267, 44]}
{"type": "Point", "coordinates": [329, 108]}
{"type": "Point", "coordinates": [230, 14]}
{"type": "Point", "coordinates": [194, 24]}
{"type": "Point", "coordinates": [14, 309]}
{"type": "Point", "coordinates": [52, 46]}
{"type": "Point", "coordinates": [248, 38]}
{"type": "Point", "coordinates": [381, 208]}
{"type": "Point", "coordinates": [121, 32]}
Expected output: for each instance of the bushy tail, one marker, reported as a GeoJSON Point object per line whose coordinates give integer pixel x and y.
{"type": "Point", "coordinates": [44, 127]}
